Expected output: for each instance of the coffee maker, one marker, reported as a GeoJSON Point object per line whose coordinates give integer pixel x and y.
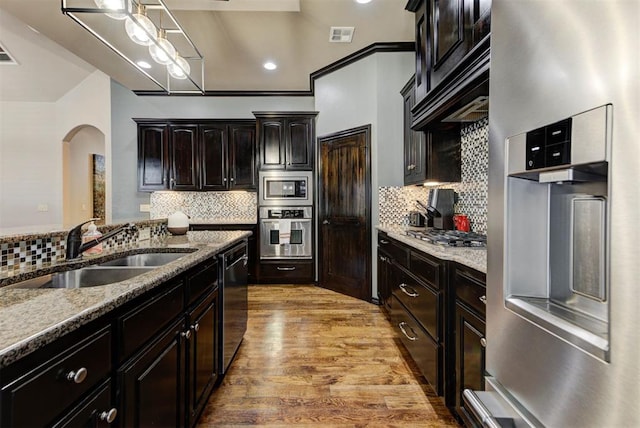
{"type": "Point", "coordinates": [440, 208]}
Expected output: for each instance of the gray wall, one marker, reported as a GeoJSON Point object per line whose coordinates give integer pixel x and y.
{"type": "Point", "coordinates": [125, 105]}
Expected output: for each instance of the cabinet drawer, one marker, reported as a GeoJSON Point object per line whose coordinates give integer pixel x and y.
{"type": "Point", "coordinates": [141, 324]}
{"type": "Point", "coordinates": [38, 397]}
{"type": "Point", "coordinates": [283, 272]}
{"type": "Point", "coordinates": [425, 268]}
{"type": "Point", "coordinates": [422, 302]}
{"type": "Point", "coordinates": [201, 282]}
{"type": "Point", "coordinates": [470, 288]}
{"type": "Point", "coordinates": [95, 411]}
{"type": "Point", "coordinates": [397, 252]}
{"type": "Point", "coordinates": [424, 351]}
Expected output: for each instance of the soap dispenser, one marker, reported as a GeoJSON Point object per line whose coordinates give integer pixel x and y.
{"type": "Point", "coordinates": [92, 234]}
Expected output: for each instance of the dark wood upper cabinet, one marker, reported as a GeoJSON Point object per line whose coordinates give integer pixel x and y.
{"type": "Point", "coordinates": [183, 156]}
{"type": "Point", "coordinates": [415, 156]}
{"type": "Point", "coordinates": [211, 155]}
{"type": "Point", "coordinates": [286, 140]}
{"type": "Point", "coordinates": [153, 156]}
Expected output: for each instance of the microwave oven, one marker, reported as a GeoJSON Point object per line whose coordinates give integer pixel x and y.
{"type": "Point", "coordinates": [285, 188]}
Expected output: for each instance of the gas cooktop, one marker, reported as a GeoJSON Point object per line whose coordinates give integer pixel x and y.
{"type": "Point", "coordinates": [450, 238]}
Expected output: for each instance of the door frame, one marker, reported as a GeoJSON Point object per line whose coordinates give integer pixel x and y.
{"type": "Point", "coordinates": [366, 129]}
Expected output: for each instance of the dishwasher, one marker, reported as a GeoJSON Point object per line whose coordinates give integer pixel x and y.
{"type": "Point", "coordinates": [234, 302]}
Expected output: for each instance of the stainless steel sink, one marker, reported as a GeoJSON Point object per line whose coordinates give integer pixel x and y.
{"type": "Point", "coordinates": [145, 259]}
{"type": "Point", "coordinates": [86, 277]}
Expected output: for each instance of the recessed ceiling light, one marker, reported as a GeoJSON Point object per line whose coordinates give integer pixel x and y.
{"type": "Point", "coordinates": [270, 65]}
{"type": "Point", "coordinates": [363, 1]}
{"type": "Point", "coordinates": [144, 64]}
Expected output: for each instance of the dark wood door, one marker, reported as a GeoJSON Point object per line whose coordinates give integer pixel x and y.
{"type": "Point", "coordinates": [203, 353]}
{"type": "Point", "coordinates": [242, 157]}
{"type": "Point", "coordinates": [213, 156]}
{"type": "Point", "coordinates": [152, 385]}
{"type": "Point", "coordinates": [344, 212]}
{"type": "Point", "coordinates": [272, 143]}
{"type": "Point", "coordinates": [183, 146]}
{"type": "Point", "coordinates": [299, 147]}
{"type": "Point", "coordinates": [153, 152]}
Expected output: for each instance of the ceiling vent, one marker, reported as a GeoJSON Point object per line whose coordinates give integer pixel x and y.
{"type": "Point", "coordinates": [5, 57]}
{"type": "Point", "coordinates": [341, 34]}
{"type": "Point", "coordinates": [471, 112]}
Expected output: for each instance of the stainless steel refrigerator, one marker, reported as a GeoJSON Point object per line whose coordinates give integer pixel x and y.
{"type": "Point", "coordinates": [569, 358]}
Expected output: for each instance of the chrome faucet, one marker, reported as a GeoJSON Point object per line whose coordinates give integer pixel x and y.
{"type": "Point", "coordinates": [75, 247]}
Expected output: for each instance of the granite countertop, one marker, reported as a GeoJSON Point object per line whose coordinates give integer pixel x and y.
{"type": "Point", "coordinates": [32, 318]}
{"type": "Point", "coordinates": [475, 258]}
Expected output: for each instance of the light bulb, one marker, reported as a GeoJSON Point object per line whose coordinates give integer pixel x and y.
{"type": "Point", "coordinates": [114, 4]}
{"type": "Point", "coordinates": [179, 70]}
{"type": "Point", "coordinates": [141, 32]}
{"type": "Point", "coordinates": [162, 51]}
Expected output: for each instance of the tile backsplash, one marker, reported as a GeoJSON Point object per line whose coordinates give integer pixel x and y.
{"type": "Point", "coordinates": [205, 205]}
{"type": "Point", "coordinates": [396, 202]}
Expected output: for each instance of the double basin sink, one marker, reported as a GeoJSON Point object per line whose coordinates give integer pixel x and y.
{"type": "Point", "coordinates": [104, 273]}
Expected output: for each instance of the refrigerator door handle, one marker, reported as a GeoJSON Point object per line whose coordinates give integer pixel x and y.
{"type": "Point", "coordinates": [479, 411]}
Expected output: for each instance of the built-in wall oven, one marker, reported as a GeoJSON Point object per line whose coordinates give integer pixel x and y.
{"type": "Point", "coordinates": [285, 188]}
{"type": "Point", "coordinates": [285, 232]}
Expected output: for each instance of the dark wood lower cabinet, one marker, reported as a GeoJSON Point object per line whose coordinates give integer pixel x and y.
{"type": "Point", "coordinates": [152, 385]}
{"type": "Point", "coordinates": [94, 412]}
{"type": "Point", "coordinates": [286, 271]}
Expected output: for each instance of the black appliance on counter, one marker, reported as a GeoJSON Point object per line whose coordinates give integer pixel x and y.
{"type": "Point", "coordinates": [439, 208]}
{"type": "Point", "coordinates": [234, 302]}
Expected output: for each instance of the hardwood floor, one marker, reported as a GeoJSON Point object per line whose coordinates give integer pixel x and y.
{"type": "Point", "coordinates": [315, 358]}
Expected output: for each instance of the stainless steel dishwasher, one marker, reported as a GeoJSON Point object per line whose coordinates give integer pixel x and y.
{"type": "Point", "coordinates": [234, 302]}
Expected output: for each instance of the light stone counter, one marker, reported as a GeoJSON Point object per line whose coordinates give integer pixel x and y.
{"type": "Point", "coordinates": [475, 258]}
{"type": "Point", "coordinates": [223, 221]}
{"type": "Point", "coordinates": [32, 318]}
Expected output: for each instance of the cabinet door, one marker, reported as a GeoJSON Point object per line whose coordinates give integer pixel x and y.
{"type": "Point", "coordinates": [152, 157]}
{"type": "Point", "coordinates": [203, 353]}
{"type": "Point", "coordinates": [95, 412]}
{"type": "Point", "coordinates": [423, 51]}
{"type": "Point", "coordinates": [184, 154]}
{"type": "Point", "coordinates": [213, 156]}
{"type": "Point", "coordinates": [444, 162]}
{"type": "Point", "coordinates": [242, 157]}
{"type": "Point", "coordinates": [384, 292]}
{"type": "Point", "coordinates": [470, 354]}
{"type": "Point", "coordinates": [299, 148]}
{"type": "Point", "coordinates": [152, 385]}
{"type": "Point", "coordinates": [415, 157]}
{"type": "Point", "coordinates": [272, 143]}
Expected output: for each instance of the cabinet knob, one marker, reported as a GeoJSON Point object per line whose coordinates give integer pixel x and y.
{"type": "Point", "coordinates": [483, 299]}
{"type": "Point", "coordinates": [483, 342]}
{"type": "Point", "coordinates": [108, 416]}
{"type": "Point", "coordinates": [231, 179]}
{"type": "Point", "coordinates": [224, 180]}
{"type": "Point", "coordinates": [326, 222]}
{"type": "Point", "coordinates": [77, 376]}
{"type": "Point", "coordinates": [186, 334]}
{"type": "Point", "coordinates": [196, 327]}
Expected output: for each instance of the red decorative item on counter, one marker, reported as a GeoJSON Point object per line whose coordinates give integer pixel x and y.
{"type": "Point", "coordinates": [461, 222]}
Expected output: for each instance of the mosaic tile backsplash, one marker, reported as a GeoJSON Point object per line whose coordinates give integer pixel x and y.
{"type": "Point", "coordinates": [205, 205]}
{"type": "Point", "coordinates": [396, 202]}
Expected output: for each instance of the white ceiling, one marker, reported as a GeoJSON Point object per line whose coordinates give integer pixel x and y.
{"type": "Point", "coordinates": [235, 37]}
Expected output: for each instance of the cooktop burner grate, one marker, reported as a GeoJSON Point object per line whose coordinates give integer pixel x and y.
{"type": "Point", "coordinates": [450, 238]}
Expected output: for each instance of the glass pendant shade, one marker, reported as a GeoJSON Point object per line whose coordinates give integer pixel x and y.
{"type": "Point", "coordinates": [162, 51]}
{"type": "Point", "coordinates": [141, 32]}
{"type": "Point", "coordinates": [114, 4]}
{"type": "Point", "coordinates": [179, 70]}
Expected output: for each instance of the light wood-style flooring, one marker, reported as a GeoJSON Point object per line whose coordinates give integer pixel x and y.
{"type": "Point", "coordinates": [315, 358]}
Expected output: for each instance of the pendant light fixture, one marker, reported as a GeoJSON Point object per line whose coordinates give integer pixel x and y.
{"type": "Point", "coordinates": [140, 29]}
{"type": "Point", "coordinates": [162, 51]}
{"type": "Point", "coordinates": [180, 69]}
{"type": "Point", "coordinates": [115, 4]}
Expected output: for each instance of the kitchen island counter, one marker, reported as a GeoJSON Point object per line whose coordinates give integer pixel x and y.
{"type": "Point", "coordinates": [475, 258]}
{"type": "Point", "coordinates": [32, 318]}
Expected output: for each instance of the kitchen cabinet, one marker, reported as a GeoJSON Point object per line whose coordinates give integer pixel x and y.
{"type": "Point", "coordinates": [286, 272]}
{"type": "Point", "coordinates": [415, 156]}
{"type": "Point", "coordinates": [452, 54]}
{"type": "Point", "coordinates": [468, 336]}
{"type": "Point", "coordinates": [286, 141]}
{"type": "Point", "coordinates": [192, 155]}
{"type": "Point", "coordinates": [390, 254]}
{"type": "Point", "coordinates": [153, 156]}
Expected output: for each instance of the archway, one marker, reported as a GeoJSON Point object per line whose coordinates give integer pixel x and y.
{"type": "Point", "coordinates": [83, 189]}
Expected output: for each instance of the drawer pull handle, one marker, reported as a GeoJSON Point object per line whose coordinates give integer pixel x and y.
{"type": "Point", "coordinates": [286, 268]}
{"type": "Point", "coordinates": [186, 334]}
{"type": "Point", "coordinates": [411, 338]}
{"type": "Point", "coordinates": [196, 327]}
{"type": "Point", "coordinates": [483, 299]}
{"type": "Point", "coordinates": [404, 286]}
{"type": "Point", "coordinates": [77, 376]}
{"type": "Point", "coordinates": [382, 241]}
{"type": "Point", "coordinates": [109, 416]}
{"type": "Point", "coordinates": [483, 342]}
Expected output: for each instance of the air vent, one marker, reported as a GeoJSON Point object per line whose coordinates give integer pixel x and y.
{"type": "Point", "coordinates": [5, 57]}
{"type": "Point", "coordinates": [472, 112]}
{"type": "Point", "coordinates": [341, 34]}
